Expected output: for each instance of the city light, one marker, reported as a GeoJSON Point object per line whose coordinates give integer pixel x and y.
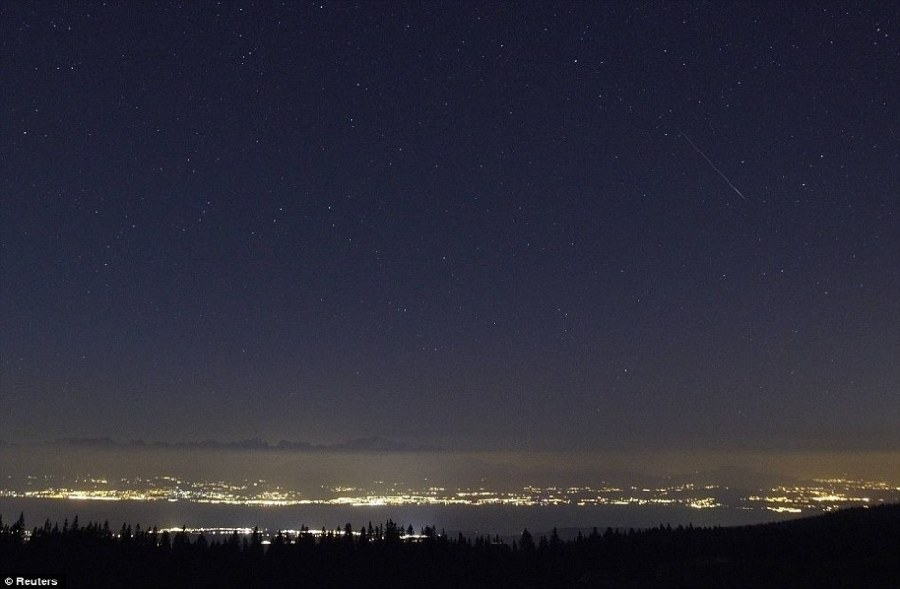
{"type": "Point", "coordinates": [815, 496]}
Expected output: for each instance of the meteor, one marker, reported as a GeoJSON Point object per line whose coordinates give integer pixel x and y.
{"type": "Point", "coordinates": [709, 161]}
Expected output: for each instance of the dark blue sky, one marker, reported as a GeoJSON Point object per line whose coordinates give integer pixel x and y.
{"type": "Point", "coordinates": [471, 225]}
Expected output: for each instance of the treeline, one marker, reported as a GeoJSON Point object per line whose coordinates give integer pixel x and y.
{"type": "Point", "coordinates": [853, 548]}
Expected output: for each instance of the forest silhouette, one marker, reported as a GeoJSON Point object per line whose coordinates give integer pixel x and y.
{"type": "Point", "coordinates": [850, 548]}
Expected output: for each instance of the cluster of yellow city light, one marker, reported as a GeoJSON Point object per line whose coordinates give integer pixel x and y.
{"type": "Point", "coordinates": [291, 536]}
{"type": "Point", "coordinates": [818, 495]}
{"type": "Point", "coordinates": [824, 495]}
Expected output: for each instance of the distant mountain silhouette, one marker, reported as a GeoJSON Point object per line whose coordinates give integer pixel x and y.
{"type": "Point", "coordinates": [370, 444]}
{"type": "Point", "coordinates": [87, 443]}
{"type": "Point", "coordinates": [379, 444]}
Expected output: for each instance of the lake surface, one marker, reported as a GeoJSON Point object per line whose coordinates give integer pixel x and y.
{"type": "Point", "coordinates": [483, 519]}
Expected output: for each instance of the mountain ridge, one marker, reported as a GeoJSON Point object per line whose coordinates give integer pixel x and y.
{"type": "Point", "coordinates": [365, 444]}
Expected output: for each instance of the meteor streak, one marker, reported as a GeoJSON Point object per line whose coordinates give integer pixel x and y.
{"type": "Point", "coordinates": [709, 161]}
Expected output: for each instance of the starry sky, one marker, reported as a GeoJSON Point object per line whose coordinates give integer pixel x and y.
{"type": "Point", "coordinates": [473, 225]}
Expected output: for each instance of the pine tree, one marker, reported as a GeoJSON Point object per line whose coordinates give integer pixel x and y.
{"type": "Point", "coordinates": [526, 541]}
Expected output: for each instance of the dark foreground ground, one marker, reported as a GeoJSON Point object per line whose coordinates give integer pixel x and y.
{"type": "Point", "coordinates": [850, 548]}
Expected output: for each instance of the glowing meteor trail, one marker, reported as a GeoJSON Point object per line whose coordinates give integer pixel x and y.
{"type": "Point", "coordinates": [709, 161]}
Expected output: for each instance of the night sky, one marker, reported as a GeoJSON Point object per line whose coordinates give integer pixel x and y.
{"type": "Point", "coordinates": [545, 226]}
